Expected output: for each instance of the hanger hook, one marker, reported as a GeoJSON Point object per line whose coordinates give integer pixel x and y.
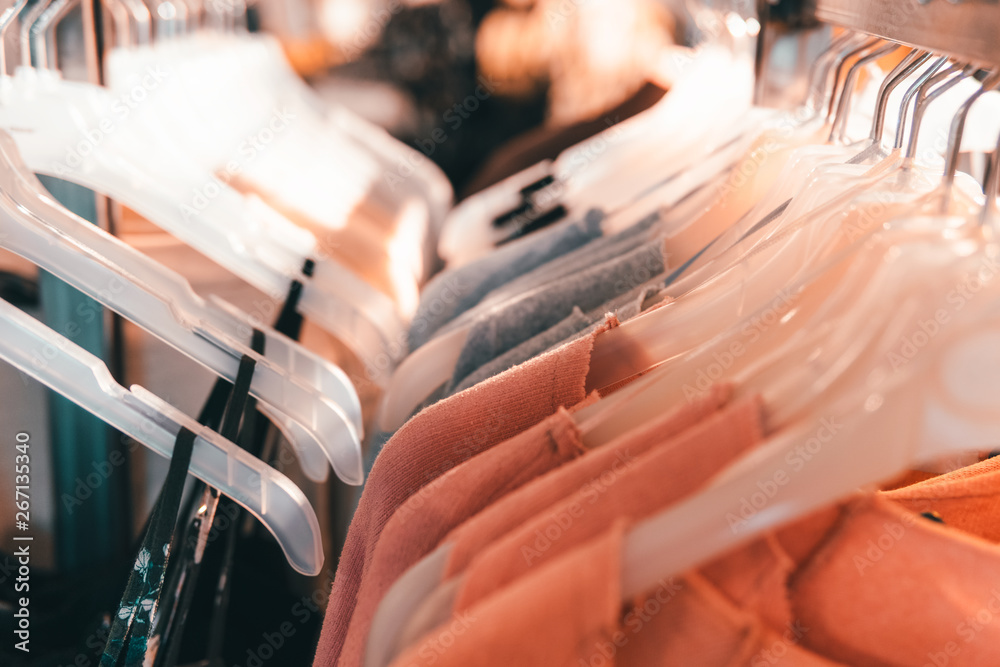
{"type": "Point", "coordinates": [121, 17]}
{"type": "Point", "coordinates": [6, 19]}
{"type": "Point", "coordinates": [925, 97]}
{"type": "Point", "coordinates": [838, 72]}
{"type": "Point", "coordinates": [958, 126]}
{"type": "Point", "coordinates": [825, 88]}
{"type": "Point", "coordinates": [991, 188]}
{"type": "Point", "coordinates": [819, 71]}
{"type": "Point", "coordinates": [910, 64]}
{"type": "Point", "coordinates": [908, 95]}
{"type": "Point", "coordinates": [27, 29]}
{"type": "Point", "coordinates": [843, 106]}
{"type": "Point", "coordinates": [44, 32]}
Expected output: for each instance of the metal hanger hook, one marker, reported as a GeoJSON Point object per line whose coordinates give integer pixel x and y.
{"type": "Point", "coordinates": [44, 32]}
{"type": "Point", "coordinates": [839, 70]}
{"type": "Point", "coordinates": [944, 81]}
{"type": "Point", "coordinates": [958, 126]}
{"type": "Point", "coordinates": [6, 20]}
{"type": "Point", "coordinates": [838, 127]}
{"type": "Point", "coordinates": [910, 64]}
{"type": "Point", "coordinates": [909, 94]}
{"type": "Point", "coordinates": [819, 71]}
{"type": "Point", "coordinates": [26, 32]}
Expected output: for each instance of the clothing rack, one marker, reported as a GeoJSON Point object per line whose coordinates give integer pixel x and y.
{"type": "Point", "coordinates": [966, 31]}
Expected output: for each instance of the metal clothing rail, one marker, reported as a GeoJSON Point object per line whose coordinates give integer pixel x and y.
{"type": "Point", "coordinates": [968, 31]}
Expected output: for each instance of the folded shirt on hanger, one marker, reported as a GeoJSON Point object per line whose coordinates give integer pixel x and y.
{"type": "Point", "coordinates": [803, 594]}
{"type": "Point", "coordinates": [570, 613]}
{"type": "Point", "coordinates": [436, 440]}
{"type": "Point", "coordinates": [663, 475]}
{"type": "Point", "coordinates": [513, 510]}
{"type": "Point", "coordinates": [525, 317]}
{"type": "Point", "coordinates": [575, 325]}
{"type": "Point", "coordinates": [453, 292]}
{"type": "Point", "coordinates": [420, 523]}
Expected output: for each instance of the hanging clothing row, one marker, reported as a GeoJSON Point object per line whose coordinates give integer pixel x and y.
{"type": "Point", "coordinates": [716, 387]}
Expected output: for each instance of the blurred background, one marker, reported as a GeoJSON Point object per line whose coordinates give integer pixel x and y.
{"type": "Point", "coordinates": [498, 79]}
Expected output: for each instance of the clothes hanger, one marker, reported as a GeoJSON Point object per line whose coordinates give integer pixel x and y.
{"type": "Point", "coordinates": [733, 246]}
{"type": "Point", "coordinates": [44, 31]}
{"type": "Point", "coordinates": [889, 415]}
{"type": "Point", "coordinates": [895, 426]}
{"type": "Point", "coordinates": [192, 110]}
{"type": "Point", "coordinates": [81, 377]}
{"type": "Point", "coordinates": [609, 169]}
{"type": "Point", "coordinates": [606, 343]}
{"type": "Point", "coordinates": [185, 320]}
{"type": "Point", "coordinates": [662, 335]}
{"type": "Point", "coordinates": [776, 146]}
{"type": "Point", "coordinates": [46, 115]}
{"type": "Point", "coordinates": [431, 366]}
{"type": "Point", "coordinates": [785, 165]}
{"type": "Point", "coordinates": [312, 400]}
{"type": "Point", "coordinates": [253, 74]}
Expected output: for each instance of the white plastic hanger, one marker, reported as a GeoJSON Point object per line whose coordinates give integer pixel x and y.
{"type": "Point", "coordinates": [941, 403]}
{"type": "Point", "coordinates": [312, 400]}
{"type": "Point", "coordinates": [663, 334]}
{"type": "Point", "coordinates": [82, 133]}
{"type": "Point", "coordinates": [758, 279]}
{"type": "Point", "coordinates": [82, 378]}
{"type": "Point", "coordinates": [220, 89]}
{"type": "Point", "coordinates": [607, 171]}
{"type": "Point", "coordinates": [869, 409]}
{"type": "Point", "coordinates": [431, 366]}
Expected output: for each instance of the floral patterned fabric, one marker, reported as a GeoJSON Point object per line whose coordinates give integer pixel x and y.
{"type": "Point", "coordinates": [132, 626]}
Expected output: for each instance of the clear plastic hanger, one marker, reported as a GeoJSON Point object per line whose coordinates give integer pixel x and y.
{"type": "Point", "coordinates": [326, 402]}
{"type": "Point", "coordinates": [892, 423]}
{"type": "Point", "coordinates": [311, 400]}
{"type": "Point", "coordinates": [81, 377]}
{"type": "Point", "coordinates": [744, 281]}
{"type": "Point", "coordinates": [607, 171]}
{"type": "Point", "coordinates": [431, 366]}
{"type": "Point", "coordinates": [802, 167]}
{"type": "Point", "coordinates": [250, 72]}
{"type": "Point", "coordinates": [889, 413]}
{"type": "Point", "coordinates": [50, 117]}
{"type": "Point", "coordinates": [664, 334]}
